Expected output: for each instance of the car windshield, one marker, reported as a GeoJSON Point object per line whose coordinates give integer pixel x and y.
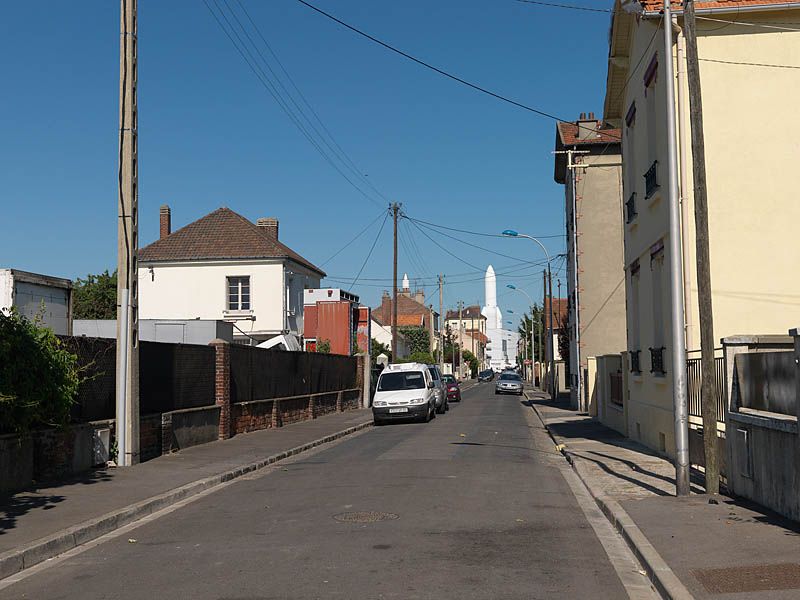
{"type": "Point", "coordinates": [510, 377]}
{"type": "Point", "coordinates": [448, 379]}
{"type": "Point", "coordinates": [404, 380]}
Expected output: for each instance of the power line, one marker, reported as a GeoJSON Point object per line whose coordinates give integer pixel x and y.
{"type": "Point", "coordinates": [347, 160]}
{"type": "Point", "coordinates": [265, 81]}
{"type": "Point", "coordinates": [369, 254]}
{"type": "Point", "coordinates": [442, 72]}
{"type": "Point", "coordinates": [493, 235]}
{"type": "Point", "coordinates": [568, 6]}
{"type": "Point", "coordinates": [749, 64]}
{"type": "Point", "coordinates": [358, 235]}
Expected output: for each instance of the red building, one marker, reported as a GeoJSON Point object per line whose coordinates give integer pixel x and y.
{"type": "Point", "coordinates": [336, 317]}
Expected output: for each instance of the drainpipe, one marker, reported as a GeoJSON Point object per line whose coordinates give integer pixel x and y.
{"type": "Point", "coordinates": [683, 145]}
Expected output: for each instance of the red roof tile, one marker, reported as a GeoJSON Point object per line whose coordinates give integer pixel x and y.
{"type": "Point", "coordinates": [603, 135]}
{"type": "Point", "coordinates": [658, 5]}
{"type": "Point", "coordinates": [222, 234]}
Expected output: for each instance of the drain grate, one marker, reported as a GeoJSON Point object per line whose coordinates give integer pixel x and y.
{"type": "Point", "coordinates": [751, 578]}
{"type": "Point", "coordinates": [369, 516]}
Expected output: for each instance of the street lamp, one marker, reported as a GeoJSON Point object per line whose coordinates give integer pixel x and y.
{"type": "Point", "coordinates": [551, 355]}
{"type": "Point", "coordinates": [511, 286]}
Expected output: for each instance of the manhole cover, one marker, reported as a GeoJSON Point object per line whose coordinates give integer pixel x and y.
{"type": "Point", "coordinates": [752, 578]}
{"type": "Point", "coordinates": [369, 516]}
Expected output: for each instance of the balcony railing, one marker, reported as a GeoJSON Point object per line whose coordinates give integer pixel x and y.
{"type": "Point", "coordinates": [630, 208]}
{"type": "Point", "coordinates": [651, 180]}
{"type": "Point", "coordinates": [657, 361]}
{"type": "Point", "coordinates": [636, 367]}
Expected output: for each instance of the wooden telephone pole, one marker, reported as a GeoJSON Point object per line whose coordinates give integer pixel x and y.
{"type": "Point", "coordinates": [708, 385]}
{"type": "Point", "coordinates": [460, 339]}
{"type": "Point", "coordinates": [127, 410]}
{"type": "Point", "coordinates": [395, 210]}
{"type": "Point", "coordinates": [441, 323]}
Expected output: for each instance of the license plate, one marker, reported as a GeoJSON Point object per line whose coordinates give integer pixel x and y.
{"type": "Point", "coordinates": [398, 410]}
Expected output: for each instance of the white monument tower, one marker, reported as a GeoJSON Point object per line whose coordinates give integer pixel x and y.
{"type": "Point", "coordinates": [502, 349]}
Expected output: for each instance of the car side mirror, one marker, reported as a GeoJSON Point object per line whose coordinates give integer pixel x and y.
{"type": "Point", "coordinates": [431, 385]}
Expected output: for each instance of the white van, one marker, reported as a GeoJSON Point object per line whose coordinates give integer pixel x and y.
{"type": "Point", "coordinates": [404, 391]}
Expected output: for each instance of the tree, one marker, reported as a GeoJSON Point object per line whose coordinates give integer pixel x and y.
{"type": "Point", "coordinates": [324, 346]}
{"type": "Point", "coordinates": [96, 296]}
{"type": "Point", "coordinates": [472, 361]}
{"type": "Point", "coordinates": [377, 349]}
{"type": "Point", "coordinates": [39, 378]}
{"type": "Point", "coordinates": [563, 345]}
{"type": "Point", "coordinates": [418, 338]}
{"type": "Point", "coordinates": [524, 330]}
{"type": "Point", "coordinates": [421, 357]}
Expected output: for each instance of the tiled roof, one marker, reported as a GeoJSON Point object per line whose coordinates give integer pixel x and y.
{"type": "Point", "coordinates": [658, 5]}
{"type": "Point", "coordinates": [222, 234]}
{"type": "Point", "coordinates": [410, 320]}
{"type": "Point", "coordinates": [477, 335]}
{"type": "Point", "coordinates": [405, 306]}
{"type": "Point", "coordinates": [604, 135]}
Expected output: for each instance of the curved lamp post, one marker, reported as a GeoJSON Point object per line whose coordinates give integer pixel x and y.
{"type": "Point", "coordinates": [550, 354]}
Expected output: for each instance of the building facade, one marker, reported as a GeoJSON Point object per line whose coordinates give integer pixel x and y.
{"type": "Point", "coordinates": [223, 266]}
{"type": "Point", "coordinates": [750, 124]}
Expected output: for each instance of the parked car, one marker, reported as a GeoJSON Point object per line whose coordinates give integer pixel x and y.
{"type": "Point", "coordinates": [404, 391]}
{"type": "Point", "coordinates": [486, 375]}
{"type": "Point", "coordinates": [509, 383]}
{"type": "Point", "coordinates": [442, 405]}
{"type": "Point", "coordinates": [453, 389]}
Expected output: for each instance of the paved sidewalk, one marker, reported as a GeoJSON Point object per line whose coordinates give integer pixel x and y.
{"type": "Point", "coordinates": [727, 550]}
{"type": "Point", "coordinates": [53, 518]}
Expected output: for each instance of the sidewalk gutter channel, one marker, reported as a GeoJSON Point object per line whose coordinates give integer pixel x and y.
{"type": "Point", "coordinates": [668, 585]}
{"type": "Point", "coordinates": [14, 561]}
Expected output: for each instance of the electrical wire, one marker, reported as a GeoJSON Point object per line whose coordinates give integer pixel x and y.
{"type": "Point", "coordinates": [568, 6]}
{"type": "Point", "coordinates": [493, 235]}
{"type": "Point", "coordinates": [442, 72]}
{"type": "Point", "coordinates": [369, 254]}
{"type": "Point", "coordinates": [358, 235]}
{"type": "Point", "coordinates": [749, 64]}
{"type": "Point", "coordinates": [341, 153]}
{"type": "Point", "coordinates": [265, 81]}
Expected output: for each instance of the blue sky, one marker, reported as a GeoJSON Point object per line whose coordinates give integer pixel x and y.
{"type": "Point", "coordinates": [210, 135]}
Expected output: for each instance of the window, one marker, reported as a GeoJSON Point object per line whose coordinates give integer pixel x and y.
{"type": "Point", "coordinates": [657, 274]}
{"type": "Point", "coordinates": [239, 293]}
{"type": "Point", "coordinates": [395, 382]}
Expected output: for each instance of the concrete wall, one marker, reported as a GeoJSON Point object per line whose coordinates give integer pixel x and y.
{"type": "Point", "coordinates": [747, 201]}
{"type": "Point", "coordinates": [609, 413]}
{"type": "Point", "coordinates": [156, 330]}
{"type": "Point", "coordinates": [198, 290]}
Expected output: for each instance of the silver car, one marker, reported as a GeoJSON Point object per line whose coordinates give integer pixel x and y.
{"type": "Point", "coordinates": [509, 383]}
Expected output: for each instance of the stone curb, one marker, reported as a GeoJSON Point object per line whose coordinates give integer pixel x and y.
{"type": "Point", "coordinates": [14, 561]}
{"type": "Point", "coordinates": [658, 571]}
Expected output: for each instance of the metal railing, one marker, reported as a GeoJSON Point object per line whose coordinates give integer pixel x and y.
{"type": "Point", "coordinates": [657, 361]}
{"type": "Point", "coordinates": [636, 366]}
{"type": "Point", "coordinates": [694, 382]}
{"type": "Point", "coordinates": [651, 180]}
{"type": "Point", "coordinates": [616, 396]}
{"type": "Point", "coordinates": [630, 208]}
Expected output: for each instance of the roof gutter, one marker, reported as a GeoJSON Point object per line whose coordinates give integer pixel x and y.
{"type": "Point", "coordinates": [726, 10]}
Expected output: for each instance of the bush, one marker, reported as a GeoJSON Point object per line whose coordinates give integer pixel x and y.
{"type": "Point", "coordinates": [39, 378]}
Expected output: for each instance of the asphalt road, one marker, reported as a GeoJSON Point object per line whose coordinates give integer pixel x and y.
{"type": "Point", "coordinates": [482, 506]}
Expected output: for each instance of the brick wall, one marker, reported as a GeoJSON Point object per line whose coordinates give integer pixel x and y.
{"type": "Point", "coordinates": [251, 416]}
{"type": "Point", "coordinates": [150, 440]}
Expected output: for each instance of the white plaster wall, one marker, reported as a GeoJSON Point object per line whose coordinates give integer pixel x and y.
{"type": "Point", "coordinates": [198, 290]}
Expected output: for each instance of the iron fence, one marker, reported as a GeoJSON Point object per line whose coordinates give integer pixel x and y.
{"type": "Point", "coordinates": [694, 381]}
{"type": "Point", "coordinates": [651, 180]}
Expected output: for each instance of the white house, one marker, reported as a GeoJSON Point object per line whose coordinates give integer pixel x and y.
{"type": "Point", "coordinates": [223, 266]}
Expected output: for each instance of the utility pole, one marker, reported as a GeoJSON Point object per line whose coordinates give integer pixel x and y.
{"type": "Point", "coordinates": [553, 390]}
{"type": "Point", "coordinates": [543, 355]}
{"type": "Point", "coordinates": [677, 322]}
{"type": "Point", "coordinates": [395, 209]}
{"type": "Point", "coordinates": [460, 339]}
{"type": "Point", "coordinates": [127, 370]}
{"type": "Point", "coordinates": [708, 385]}
{"type": "Point", "coordinates": [441, 323]}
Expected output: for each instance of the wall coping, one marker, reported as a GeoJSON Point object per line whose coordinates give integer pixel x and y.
{"type": "Point", "coordinates": [764, 419]}
{"type": "Point", "coordinates": [747, 340]}
{"type": "Point", "coordinates": [314, 395]}
{"type": "Point", "coordinates": [183, 411]}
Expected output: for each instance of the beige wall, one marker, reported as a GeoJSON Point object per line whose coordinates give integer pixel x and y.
{"type": "Point", "coordinates": [751, 132]}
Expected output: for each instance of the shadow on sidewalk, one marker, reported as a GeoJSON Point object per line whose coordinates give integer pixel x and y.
{"type": "Point", "coordinates": [14, 506]}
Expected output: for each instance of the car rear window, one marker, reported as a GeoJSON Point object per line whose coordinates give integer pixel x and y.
{"type": "Point", "coordinates": [510, 377]}
{"type": "Point", "coordinates": [405, 380]}
{"type": "Point", "coordinates": [448, 379]}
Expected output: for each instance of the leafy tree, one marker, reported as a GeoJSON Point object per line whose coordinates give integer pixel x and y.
{"type": "Point", "coordinates": [421, 357]}
{"type": "Point", "coordinates": [378, 348]}
{"type": "Point", "coordinates": [39, 378]}
{"type": "Point", "coordinates": [472, 361]}
{"type": "Point", "coordinates": [418, 338]}
{"type": "Point", "coordinates": [324, 346]}
{"type": "Point", "coordinates": [538, 328]}
{"type": "Point", "coordinates": [96, 296]}
{"type": "Point", "coordinates": [563, 345]}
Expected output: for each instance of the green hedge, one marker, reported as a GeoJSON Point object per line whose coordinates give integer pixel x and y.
{"type": "Point", "coordinates": [39, 378]}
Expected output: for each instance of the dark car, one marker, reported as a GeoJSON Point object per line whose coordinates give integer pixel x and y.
{"type": "Point", "coordinates": [509, 383]}
{"type": "Point", "coordinates": [486, 375]}
{"type": "Point", "coordinates": [453, 389]}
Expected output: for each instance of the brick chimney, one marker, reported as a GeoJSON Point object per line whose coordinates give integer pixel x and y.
{"type": "Point", "coordinates": [165, 218]}
{"type": "Point", "coordinates": [269, 225]}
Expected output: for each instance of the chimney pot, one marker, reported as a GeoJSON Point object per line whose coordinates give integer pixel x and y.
{"type": "Point", "coordinates": [269, 225]}
{"type": "Point", "coordinates": [165, 221]}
